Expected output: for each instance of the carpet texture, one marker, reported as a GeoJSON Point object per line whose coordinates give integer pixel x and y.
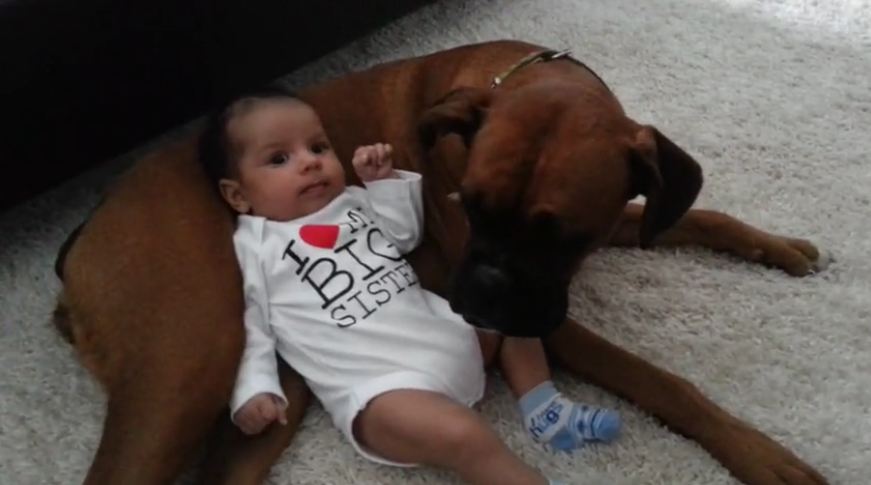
{"type": "Point", "coordinates": [774, 100]}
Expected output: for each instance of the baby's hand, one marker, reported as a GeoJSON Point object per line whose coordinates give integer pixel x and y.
{"type": "Point", "coordinates": [259, 411]}
{"type": "Point", "coordinates": [373, 162]}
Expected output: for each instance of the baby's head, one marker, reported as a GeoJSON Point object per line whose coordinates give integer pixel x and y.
{"type": "Point", "coordinates": [269, 156]}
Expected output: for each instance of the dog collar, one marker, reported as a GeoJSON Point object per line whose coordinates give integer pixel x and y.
{"type": "Point", "coordinates": [533, 58]}
{"type": "Point", "coordinates": [542, 56]}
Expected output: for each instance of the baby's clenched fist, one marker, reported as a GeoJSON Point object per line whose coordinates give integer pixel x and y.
{"type": "Point", "coordinates": [373, 162]}
{"type": "Point", "coordinates": [259, 411]}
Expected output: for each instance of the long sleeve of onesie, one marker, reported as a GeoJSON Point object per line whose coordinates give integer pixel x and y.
{"type": "Point", "coordinates": [398, 204]}
{"type": "Point", "coordinates": [258, 370]}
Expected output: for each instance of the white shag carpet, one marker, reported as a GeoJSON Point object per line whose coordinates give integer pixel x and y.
{"type": "Point", "coordinates": [774, 100]}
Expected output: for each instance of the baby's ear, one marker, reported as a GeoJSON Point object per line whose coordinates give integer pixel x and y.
{"type": "Point", "coordinates": [231, 191]}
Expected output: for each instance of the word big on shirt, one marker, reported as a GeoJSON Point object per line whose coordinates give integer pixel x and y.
{"type": "Point", "coordinates": [367, 267]}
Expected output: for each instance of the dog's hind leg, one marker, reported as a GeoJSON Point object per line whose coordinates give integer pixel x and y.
{"type": "Point", "coordinates": [148, 438]}
{"type": "Point", "coordinates": [721, 232]}
{"type": "Point", "coordinates": [152, 302]}
{"type": "Point", "coordinates": [751, 456]}
{"type": "Point", "coordinates": [159, 408]}
{"type": "Point", "coordinates": [237, 459]}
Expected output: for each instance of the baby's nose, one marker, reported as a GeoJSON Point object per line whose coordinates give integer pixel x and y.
{"type": "Point", "coordinates": [310, 161]}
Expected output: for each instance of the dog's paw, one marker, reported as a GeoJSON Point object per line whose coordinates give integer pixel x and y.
{"type": "Point", "coordinates": [824, 259]}
{"type": "Point", "coordinates": [756, 459]}
{"type": "Point", "coordinates": [797, 257]}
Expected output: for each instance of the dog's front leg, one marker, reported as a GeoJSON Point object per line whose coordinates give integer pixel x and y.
{"type": "Point", "coordinates": [751, 456]}
{"type": "Point", "coordinates": [722, 232]}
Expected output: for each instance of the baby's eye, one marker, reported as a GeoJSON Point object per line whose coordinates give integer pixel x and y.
{"type": "Point", "coordinates": [279, 158]}
{"type": "Point", "coordinates": [320, 147]}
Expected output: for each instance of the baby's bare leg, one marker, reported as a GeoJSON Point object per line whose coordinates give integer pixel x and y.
{"type": "Point", "coordinates": [410, 426]}
{"type": "Point", "coordinates": [490, 343]}
{"type": "Point", "coordinates": [523, 363]}
{"type": "Point", "coordinates": [547, 415]}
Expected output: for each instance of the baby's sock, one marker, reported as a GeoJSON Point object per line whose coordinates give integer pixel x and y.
{"type": "Point", "coordinates": [565, 425]}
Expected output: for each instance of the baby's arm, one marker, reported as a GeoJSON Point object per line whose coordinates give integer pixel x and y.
{"type": "Point", "coordinates": [395, 196]}
{"type": "Point", "coordinates": [257, 398]}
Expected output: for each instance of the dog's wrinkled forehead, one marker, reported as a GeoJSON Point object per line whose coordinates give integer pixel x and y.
{"type": "Point", "coordinates": [538, 153]}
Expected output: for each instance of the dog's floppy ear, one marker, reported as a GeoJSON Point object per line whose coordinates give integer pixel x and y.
{"type": "Point", "coordinates": [668, 178]}
{"type": "Point", "coordinates": [461, 111]}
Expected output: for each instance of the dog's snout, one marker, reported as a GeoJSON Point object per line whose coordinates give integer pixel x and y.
{"type": "Point", "coordinates": [490, 281]}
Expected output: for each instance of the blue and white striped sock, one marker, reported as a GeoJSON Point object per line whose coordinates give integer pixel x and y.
{"type": "Point", "coordinates": [565, 425]}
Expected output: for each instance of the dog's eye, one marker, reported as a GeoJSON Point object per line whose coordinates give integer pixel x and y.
{"type": "Point", "coordinates": [469, 199]}
{"type": "Point", "coordinates": [548, 230]}
{"type": "Point", "coordinates": [487, 222]}
{"type": "Point", "coordinates": [541, 217]}
{"type": "Point", "coordinates": [545, 226]}
{"type": "Point", "coordinates": [471, 205]}
{"type": "Point", "coordinates": [577, 240]}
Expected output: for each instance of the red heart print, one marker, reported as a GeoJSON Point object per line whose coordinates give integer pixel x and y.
{"type": "Point", "coordinates": [320, 236]}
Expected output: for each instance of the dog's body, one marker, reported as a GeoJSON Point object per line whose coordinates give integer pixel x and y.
{"type": "Point", "coordinates": [152, 299]}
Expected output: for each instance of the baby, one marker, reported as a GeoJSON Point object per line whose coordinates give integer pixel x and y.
{"type": "Point", "coordinates": [327, 288]}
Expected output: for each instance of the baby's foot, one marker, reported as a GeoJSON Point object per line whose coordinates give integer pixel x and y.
{"type": "Point", "coordinates": [565, 425]}
{"type": "Point", "coordinates": [595, 424]}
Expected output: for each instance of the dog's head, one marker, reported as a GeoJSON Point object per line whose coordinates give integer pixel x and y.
{"type": "Point", "coordinates": [550, 169]}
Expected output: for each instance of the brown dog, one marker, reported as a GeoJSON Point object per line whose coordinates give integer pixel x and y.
{"type": "Point", "coordinates": [546, 163]}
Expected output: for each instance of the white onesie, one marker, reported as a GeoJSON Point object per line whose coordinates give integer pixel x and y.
{"type": "Point", "coordinates": [332, 294]}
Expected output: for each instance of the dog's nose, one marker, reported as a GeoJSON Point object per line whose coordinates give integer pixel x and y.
{"type": "Point", "coordinates": [489, 282]}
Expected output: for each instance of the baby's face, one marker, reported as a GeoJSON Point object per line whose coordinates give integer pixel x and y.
{"type": "Point", "coordinates": [286, 165]}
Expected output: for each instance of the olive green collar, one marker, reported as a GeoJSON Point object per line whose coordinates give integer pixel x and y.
{"type": "Point", "coordinates": [534, 58]}
{"type": "Point", "coordinates": [542, 56]}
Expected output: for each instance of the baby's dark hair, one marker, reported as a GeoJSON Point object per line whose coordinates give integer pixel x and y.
{"type": "Point", "coordinates": [215, 146]}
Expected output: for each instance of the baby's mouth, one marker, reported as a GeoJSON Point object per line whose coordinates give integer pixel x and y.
{"type": "Point", "coordinates": [316, 188]}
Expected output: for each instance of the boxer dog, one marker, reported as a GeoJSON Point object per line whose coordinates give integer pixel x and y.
{"type": "Point", "coordinates": [529, 164]}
